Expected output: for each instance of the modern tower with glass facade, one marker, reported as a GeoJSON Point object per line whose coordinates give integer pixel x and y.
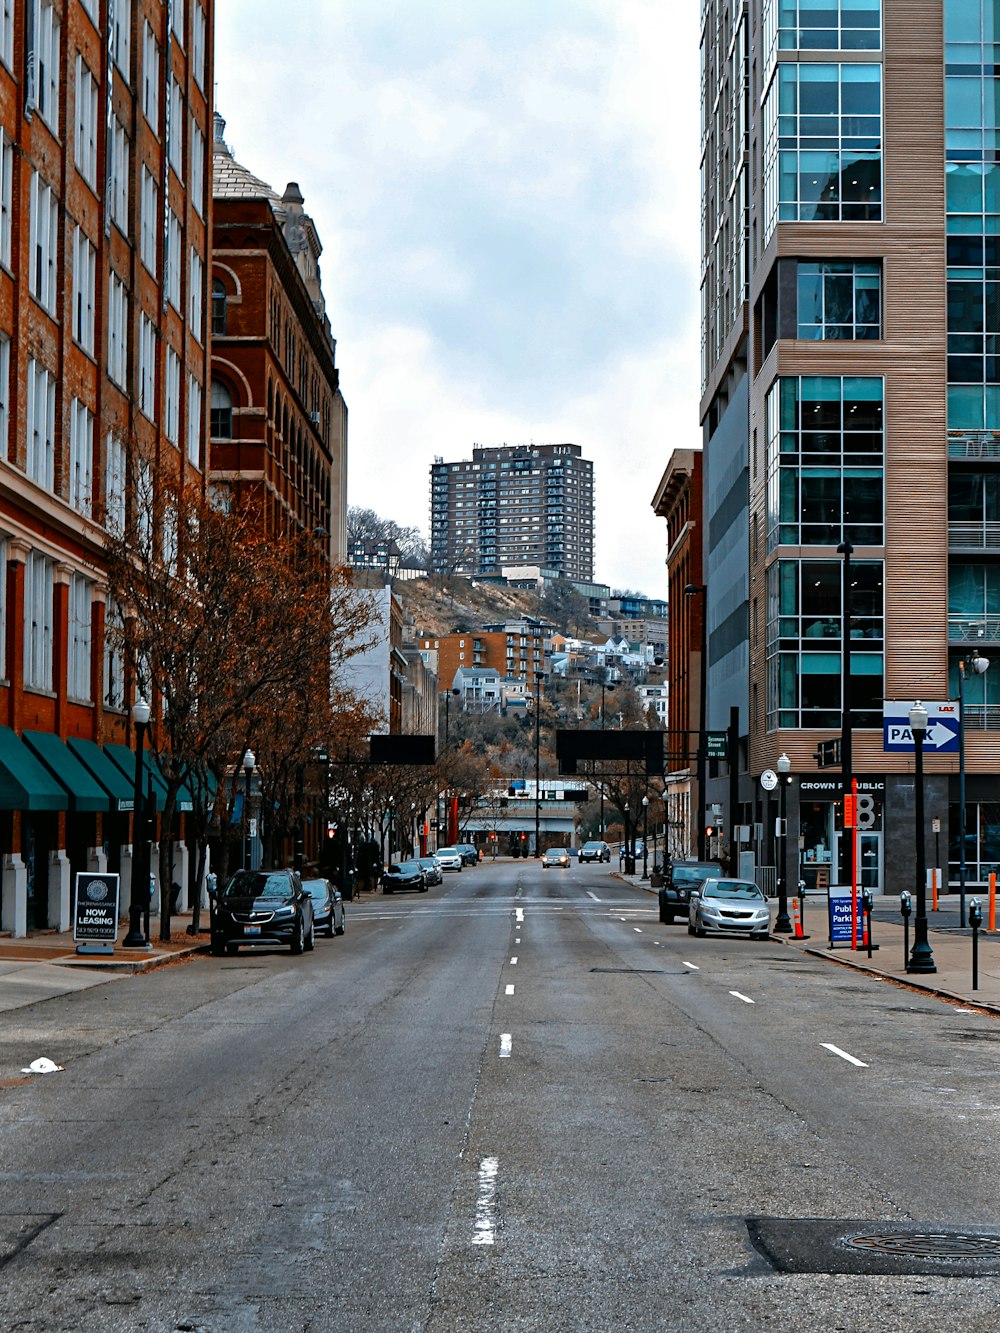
{"type": "Point", "coordinates": [851, 383]}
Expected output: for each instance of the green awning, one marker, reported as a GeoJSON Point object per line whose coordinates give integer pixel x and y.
{"type": "Point", "coordinates": [85, 794]}
{"type": "Point", "coordinates": [120, 789]}
{"type": "Point", "coordinates": [125, 760]}
{"type": "Point", "coordinates": [25, 782]}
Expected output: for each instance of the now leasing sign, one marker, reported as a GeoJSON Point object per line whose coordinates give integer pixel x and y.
{"type": "Point", "coordinates": [942, 726]}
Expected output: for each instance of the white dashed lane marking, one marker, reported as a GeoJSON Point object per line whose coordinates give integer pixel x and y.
{"type": "Point", "coordinates": [851, 1059]}
{"type": "Point", "coordinates": [506, 1042]}
{"type": "Point", "coordinates": [513, 961]}
{"type": "Point", "coordinates": [509, 990]}
{"type": "Point", "coordinates": [693, 966]}
{"type": "Point", "coordinates": [740, 996]}
{"type": "Point", "coordinates": [484, 1231]}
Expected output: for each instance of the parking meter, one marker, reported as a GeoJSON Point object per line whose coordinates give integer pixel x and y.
{"type": "Point", "coordinates": [905, 904]}
{"type": "Point", "coordinates": [975, 921]}
{"type": "Point", "coordinates": [867, 900]}
{"type": "Point", "coordinates": [975, 913]}
{"type": "Point", "coordinates": [212, 883]}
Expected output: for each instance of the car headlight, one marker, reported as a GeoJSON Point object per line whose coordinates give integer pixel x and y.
{"type": "Point", "coordinates": [286, 911]}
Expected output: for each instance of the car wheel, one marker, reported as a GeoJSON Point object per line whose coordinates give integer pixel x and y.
{"type": "Point", "coordinates": [424, 888]}
{"type": "Point", "coordinates": [217, 947]}
{"type": "Point", "coordinates": [232, 950]}
{"type": "Point", "coordinates": [690, 928]}
{"type": "Point", "coordinates": [299, 942]}
{"type": "Point", "coordinates": [310, 942]}
{"type": "Point", "coordinates": [666, 917]}
{"type": "Point", "coordinates": [343, 924]}
{"type": "Point", "coordinates": [700, 932]}
{"type": "Point", "coordinates": [387, 888]}
{"type": "Point", "coordinates": [759, 935]}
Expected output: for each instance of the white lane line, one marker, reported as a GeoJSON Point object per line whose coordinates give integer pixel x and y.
{"type": "Point", "coordinates": [506, 1042]}
{"type": "Point", "coordinates": [519, 914]}
{"type": "Point", "coordinates": [740, 996]}
{"type": "Point", "coordinates": [623, 918]}
{"type": "Point", "coordinates": [693, 966]}
{"type": "Point", "coordinates": [484, 1231]}
{"type": "Point", "coordinates": [514, 960]}
{"type": "Point", "coordinates": [851, 1059]}
{"type": "Point", "coordinates": [517, 939]}
{"type": "Point", "coordinates": [637, 930]}
{"type": "Point", "coordinates": [509, 990]}
{"type": "Point", "coordinates": [594, 896]}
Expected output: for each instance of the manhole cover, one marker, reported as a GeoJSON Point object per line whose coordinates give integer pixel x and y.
{"type": "Point", "coordinates": [850, 1245]}
{"type": "Point", "coordinates": [929, 1244]}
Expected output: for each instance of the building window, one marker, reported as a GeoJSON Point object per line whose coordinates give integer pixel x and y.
{"type": "Point", "coordinates": [825, 477]}
{"type": "Point", "coordinates": [194, 422]}
{"type": "Point", "coordinates": [90, 8]}
{"type": "Point", "coordinates": [839, 300]}
{"type": "Point", "coordinates": [118, 152]}
{"type": "Point", "coordinates": [81, 592]}
{"type": "Point", "coordinates": [150, 78]}
{"type": "Point", "coordinates": [81, 457]}
{"type": "Point", "coordinates": [114, 656]}
{"type": "Point", "coordinates": [115, 478]}
{"type": "Point", "coordinates": [41, 426]}
{"type": "Point", "coordinates": [84, 289]}
{"type": "Point", "coordinates": [4, 401]}
{"type": "Point", "coordinates": [43, 63]}
{"type": "Point", "coordinates": [196, 289]}
{"type": "Point", "coordinates": [823, 144]}
{"type": "Point", "coordinates": [86, 122]}
{"type": "Point", "coordinates": [148, 218]}
{"type": "Point", "coordinates": [172, 395]}
{"type": "Point", "coordinates": [147, 366]}
{"type": "Point", "coordinates": [43, 242]}
{"type": "Point", "coordinates": [198, 46]}
{"type": "Point", "coordinates": [197, 169]}
{"type": "Point", "coordinates": [221, 412]}
{"type": "Point", "coordinates": [804, 651]}
{"type": "Point", "coordinates": [218, 307]}
{"type": "Point", "coordinates": [6, 187]}
{"type": "Point", "coordinates": [172, 260]}
{"type": "Point", "coordinates": [117, 331]}
{"type": "Point", "coordinates": [175, 136]}
{"type": "Point", "coordinates": [177, 20]}
{"type": "Point", "coordinates": [38, 612]}
{"type": "Point", "coordinates": [121, 37]}
{"type": "Point", "coordinates": [7, 32]}
{"type": "Point", "coordinates": [830, 25]}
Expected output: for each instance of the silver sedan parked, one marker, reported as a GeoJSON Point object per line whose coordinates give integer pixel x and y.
{"type": "Point", "coordinates": [729, 906]}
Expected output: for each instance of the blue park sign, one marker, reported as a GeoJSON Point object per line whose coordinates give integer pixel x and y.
{"type": "Point", "coordinates": [942, 726]}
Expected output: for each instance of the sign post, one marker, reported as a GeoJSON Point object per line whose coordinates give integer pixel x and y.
{"type": "Point", "coordinates": [95, 912]}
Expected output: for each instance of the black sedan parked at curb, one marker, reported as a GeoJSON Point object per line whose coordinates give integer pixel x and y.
{"type": "Point", "coordinates": [404, 875]}
{"type": "Point", "coordinates": [328, 906]}
{"type": "Point", "coordinates": [262, 907]}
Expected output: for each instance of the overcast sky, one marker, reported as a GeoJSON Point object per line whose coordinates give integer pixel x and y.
{"type": "Point", "coordinates": [507, 196]}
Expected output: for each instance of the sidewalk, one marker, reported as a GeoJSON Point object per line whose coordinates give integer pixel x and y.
{"type": "Point", "coordinates": [950, 945]}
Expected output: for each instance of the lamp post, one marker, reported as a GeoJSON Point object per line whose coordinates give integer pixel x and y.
{"type": "Point", "coordinates": [539, 678]}
{"type": "Point", "coordinates": [921, 957]}
{"type": "Point", "coordinates": [413, 828]}
{"type": "Point", "coordinates": [783, 924]}
{"type": "Point", "coordinates": [605, 685]}
{"type": "Point", "coordinates": [249, 761]}
{"type": "Point", "coordinates": [135, 939]}
{"type": "Point", "coordinates": [645, 836]}
{"type": "Point", "coordinates": [978, 665]}
{"type": "Point", "coordinates": [694, 590]}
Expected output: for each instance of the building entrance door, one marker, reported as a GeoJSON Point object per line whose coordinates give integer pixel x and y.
{"type": "Point", "coordinates": [869, 858]}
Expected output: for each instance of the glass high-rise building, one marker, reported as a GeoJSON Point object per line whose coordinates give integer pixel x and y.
{"type": "Point", "coordinates": [851, 398]}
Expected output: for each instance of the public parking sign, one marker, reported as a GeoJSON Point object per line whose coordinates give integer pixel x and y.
{"type": "Point", "coordinates": [942, 726]}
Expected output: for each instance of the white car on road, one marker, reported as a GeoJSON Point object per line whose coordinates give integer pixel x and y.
{"type": "Point", "coordinates": [449, 858]}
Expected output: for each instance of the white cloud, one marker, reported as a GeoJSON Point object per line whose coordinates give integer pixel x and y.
{"type": "Point", "coordinates": [507, 197]}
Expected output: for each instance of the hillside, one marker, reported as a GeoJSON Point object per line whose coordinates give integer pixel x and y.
{"type": "Point", "coordinates": [440, 606]}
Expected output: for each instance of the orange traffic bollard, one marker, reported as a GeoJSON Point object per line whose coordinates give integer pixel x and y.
{"type": "Point", "coordinates": [934, 889]}
{"type": "Point", "coordinates": [993, 900]}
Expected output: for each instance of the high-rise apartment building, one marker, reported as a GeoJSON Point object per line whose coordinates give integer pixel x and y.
{"type": "Point", "coordinates": [515, 505]}
{"type": "Point", "coordinates": [104, 213]}
{"type": "Point", "coordinates": [851, 409]}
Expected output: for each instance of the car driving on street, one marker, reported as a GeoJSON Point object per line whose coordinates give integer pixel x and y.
{"type": "Point", "coordinates": [555, 856]}
{"type": "Point", "coordinates": [729, 906]}
{"type": "Point", "coordinates": [449, 858]}
{"type": "Point", "coordinates": [404, 875]}
{"type": "Point", "coordinates": [595, 851]}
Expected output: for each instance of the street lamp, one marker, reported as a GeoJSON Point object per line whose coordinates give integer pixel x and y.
{"type": "Point", "coordinates": [783, 925]}
{"type": "Point", "coordinates": [605, 685]}
{"type": "Point", "coordinates": [978, 665]}
{"type": "Point", "coordinates": [693, 590]}
{"type": "Point", "coordinates": [645, 835]}
{"type": "Point", "coordinates": [135, 939]}
{"type": "Point", "coordinates": [921, 957]}
{"type": "Point", "coordinates": [413, 828]}
{"type": "Point", "coordinates": [249, 760]}
{"type": "Point", "coordinates": [539, 679]}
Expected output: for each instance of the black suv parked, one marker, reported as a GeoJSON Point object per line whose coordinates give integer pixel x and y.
{"type": "Point", "coordinates": [679, 878]}
{"type": "Point", "coordinates": [262, 907]}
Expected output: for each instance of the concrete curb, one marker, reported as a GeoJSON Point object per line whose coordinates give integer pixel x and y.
{"type": "Point", "coordinates": [145, 963]}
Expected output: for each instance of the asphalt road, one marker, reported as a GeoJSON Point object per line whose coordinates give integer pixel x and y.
{"type": "Point", "coordinates": [516, 1102]}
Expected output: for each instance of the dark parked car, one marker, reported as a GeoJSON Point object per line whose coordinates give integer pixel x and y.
{"type": "Point", "coordinates": [262, 907]}
{"type": "Point", "coordinates": [328, 906]}
{"type": "Point", "coordinates": [470, 857]}
{"type": "Point", "coordinates": [679, 878]}
{"type": "Point", "coordinates": [404, 875]}
{"type": "Point", "coordinates": [432, 869]}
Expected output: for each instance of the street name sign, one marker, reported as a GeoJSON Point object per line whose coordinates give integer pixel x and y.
{"type": "Point", "coordinates": [942, 726]}
{"type": "Point", "coordinates": [716, 744]}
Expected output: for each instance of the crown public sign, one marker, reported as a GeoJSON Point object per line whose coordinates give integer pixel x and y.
{"type": "Point", "coordinates": [942, 726]}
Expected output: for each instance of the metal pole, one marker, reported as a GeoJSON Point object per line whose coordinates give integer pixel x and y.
{"type": "Point", "coordinates": [961, 793]}
{"type": "Point", "coordinates": [538, 742]}
{"type": "Point", "coordinates": [645, 835]}
{"type": "Point", "coordinates": [782, 924]}
{"type": "Point", "coordinates": [135, 939]}
{"type": "Point", "coordinates": [921, 959]}
{"type": "Point", "coordinates": [847, 703]}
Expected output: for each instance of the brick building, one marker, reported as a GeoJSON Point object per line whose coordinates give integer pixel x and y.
{"type": "Point", "coordinates": [278, 419]}
{"type": "Point", "coordinates": [518, 650]}
{"type": "Point", "coordinates": [104, 232]}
